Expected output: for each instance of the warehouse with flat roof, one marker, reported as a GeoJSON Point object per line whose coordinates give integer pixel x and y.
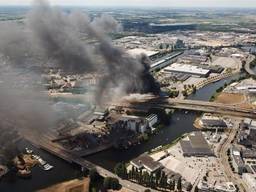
{"type": "Point", "coordinates": [195, 145]}
{"type": "Point", "coordinates": [187, 69]}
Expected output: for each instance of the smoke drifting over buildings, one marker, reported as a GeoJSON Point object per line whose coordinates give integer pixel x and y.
{"type": "Point", "coordinates": [59, 35]}
{"type": "Point", "coordinates": [51, 37]}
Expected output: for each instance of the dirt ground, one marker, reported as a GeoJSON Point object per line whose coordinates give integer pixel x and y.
{"type": "Point", "coordinates": [230, 98]}
{"type": "Point", "coordinates": [234, 99]}
{"type": "Point", "coordinates": [70, 186]}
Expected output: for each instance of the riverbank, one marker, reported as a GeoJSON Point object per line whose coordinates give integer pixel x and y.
{"type": "Point", "coordinates": [167, 146]}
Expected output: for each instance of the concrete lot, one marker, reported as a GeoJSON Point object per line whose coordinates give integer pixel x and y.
{"type": "Point", "coordinates": [192, 168]}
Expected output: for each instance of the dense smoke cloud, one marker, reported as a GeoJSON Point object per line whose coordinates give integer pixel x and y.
{"type": "Point", "coordinates": [72, 42]}
{"type": "Point", "coordinates": [60, 40]}
{"type": "Point", "coordinates": [59, 35]}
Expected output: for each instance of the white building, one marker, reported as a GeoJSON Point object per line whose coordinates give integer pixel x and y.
{"type": "Point", "coordinates": [187, 69]}
{"type": "Point", "coordinates": [210, 121]}
{"type": "Point", "coordinates": [237, 160]}
{"type": "Point", "coordinates": [152, 120]}
{"type": "Point", "coordinates": [247, 88]}
{"type": "Point", "coordinates": [203, 186]}
{"type": "Point", "coordinates": [134, 123]}
{"type": "Point", "coordinates": [147, 163]}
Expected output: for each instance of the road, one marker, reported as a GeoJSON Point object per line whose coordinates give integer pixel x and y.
{"type": "Point", "coordinates": [193, 105]}
{"type": "Point", "coordinates": [225, 163]}
{"type": "Point", "coordinates": [247, 66]}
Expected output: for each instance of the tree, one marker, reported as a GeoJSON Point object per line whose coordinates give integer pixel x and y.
{"type": "Point", "coordinates": [158, 175]}
{"type": "Point", "coordinates": [179, 186]}
{"type": "Point", "coordinates": [94, 175]}
{"type": "Point", "coordinates": [111, 183]}
{"type": "Point", "coordinates": [146, 178]}
{"type": "Point", "coordinates": [194, 89]}
{"type": "Point", "coordinates": [172, 185]}
{"type": "Point", "coordinates": [162, 181]}
{"type": "Point", "coordinates": [184, 93]}
{"type": "Point", "coordinates": [196, 189]}
{"type": "Point", "coordinates": [120, 170]}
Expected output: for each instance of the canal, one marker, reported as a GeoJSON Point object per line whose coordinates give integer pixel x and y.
{"type": "Point", "coordinates": [181, 122]}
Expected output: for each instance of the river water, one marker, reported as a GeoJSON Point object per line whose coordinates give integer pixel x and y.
{"type": "Point", "coordinates": [181, 122]}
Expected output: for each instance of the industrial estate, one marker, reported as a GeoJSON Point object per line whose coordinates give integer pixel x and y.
{"type": "Point", "coordinates": [193, 129]}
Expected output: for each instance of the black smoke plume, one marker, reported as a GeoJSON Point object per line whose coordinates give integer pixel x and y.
{"type": "Point", "coordinates": [73, 42]}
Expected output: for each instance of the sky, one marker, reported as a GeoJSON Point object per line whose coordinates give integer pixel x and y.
{"type": "Point", "coordinates": [161, 3]}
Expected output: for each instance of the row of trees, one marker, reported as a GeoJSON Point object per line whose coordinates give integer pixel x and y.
{"type": "Point", "coordinates": [173, 93]}
{"type": "Point", "coordinates": [159, 180]}
{"type": "Point", "coordinates": [187, 89]}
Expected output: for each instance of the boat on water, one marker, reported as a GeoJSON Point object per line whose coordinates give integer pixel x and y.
{"type": "Point", "coordinates": [43, 164]}
{"type": "Point", "coordinates": [28, 151]}
{"type": "Point", "coordinates": [47, 167]}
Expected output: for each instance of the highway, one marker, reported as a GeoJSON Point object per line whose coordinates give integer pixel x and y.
{"type": "Point", "coordinates": [194, 105]}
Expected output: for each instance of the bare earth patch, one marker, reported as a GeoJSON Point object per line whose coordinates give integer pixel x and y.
{"type": "Point", "coordinates": [233, 99]}
{"type": "Point", "coordinates": [75, 185]}
{"type": "Point", "coordinates": [230, 98]}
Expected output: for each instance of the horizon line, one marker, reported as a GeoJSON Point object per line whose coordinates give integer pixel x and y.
{"type": "Point", "coordinates": [132, 6]}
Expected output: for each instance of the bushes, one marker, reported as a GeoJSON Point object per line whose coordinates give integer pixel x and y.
{"type": "Point", "coordinates": [173, 93]}
{"type": "Point", "coordinates": [120, 170]}
{"type": "Point", "coordinates": [94, 175]}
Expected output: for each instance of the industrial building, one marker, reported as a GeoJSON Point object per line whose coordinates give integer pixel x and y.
{"type": "Point", "coordinates": [152, 120]}
{"type": "Point", "coordinates": [188, 69]}
{"type": "Point", "coordinates": [147, 163]}
{"type": "Point", "coordinates": [247, 88]}
{"type": "Point", "coordinates": [203, 186]}
{"type": "Point", "coordinates": [134, 123]}
{"type": "Point", "coordinates": [247, 135]}
{"type": "Point", "coordinates": [212, 122]}
{"type": "Point", "coordinates": [164, 62]}
{"type": "Point", "coordinates": [249, 154]}
{"type": "Point", "coordinates": [195, 145]}
{"type": "Point", "coordinates": [194, 59]}
{"type": "Point", "coordinates": [237, 160]}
